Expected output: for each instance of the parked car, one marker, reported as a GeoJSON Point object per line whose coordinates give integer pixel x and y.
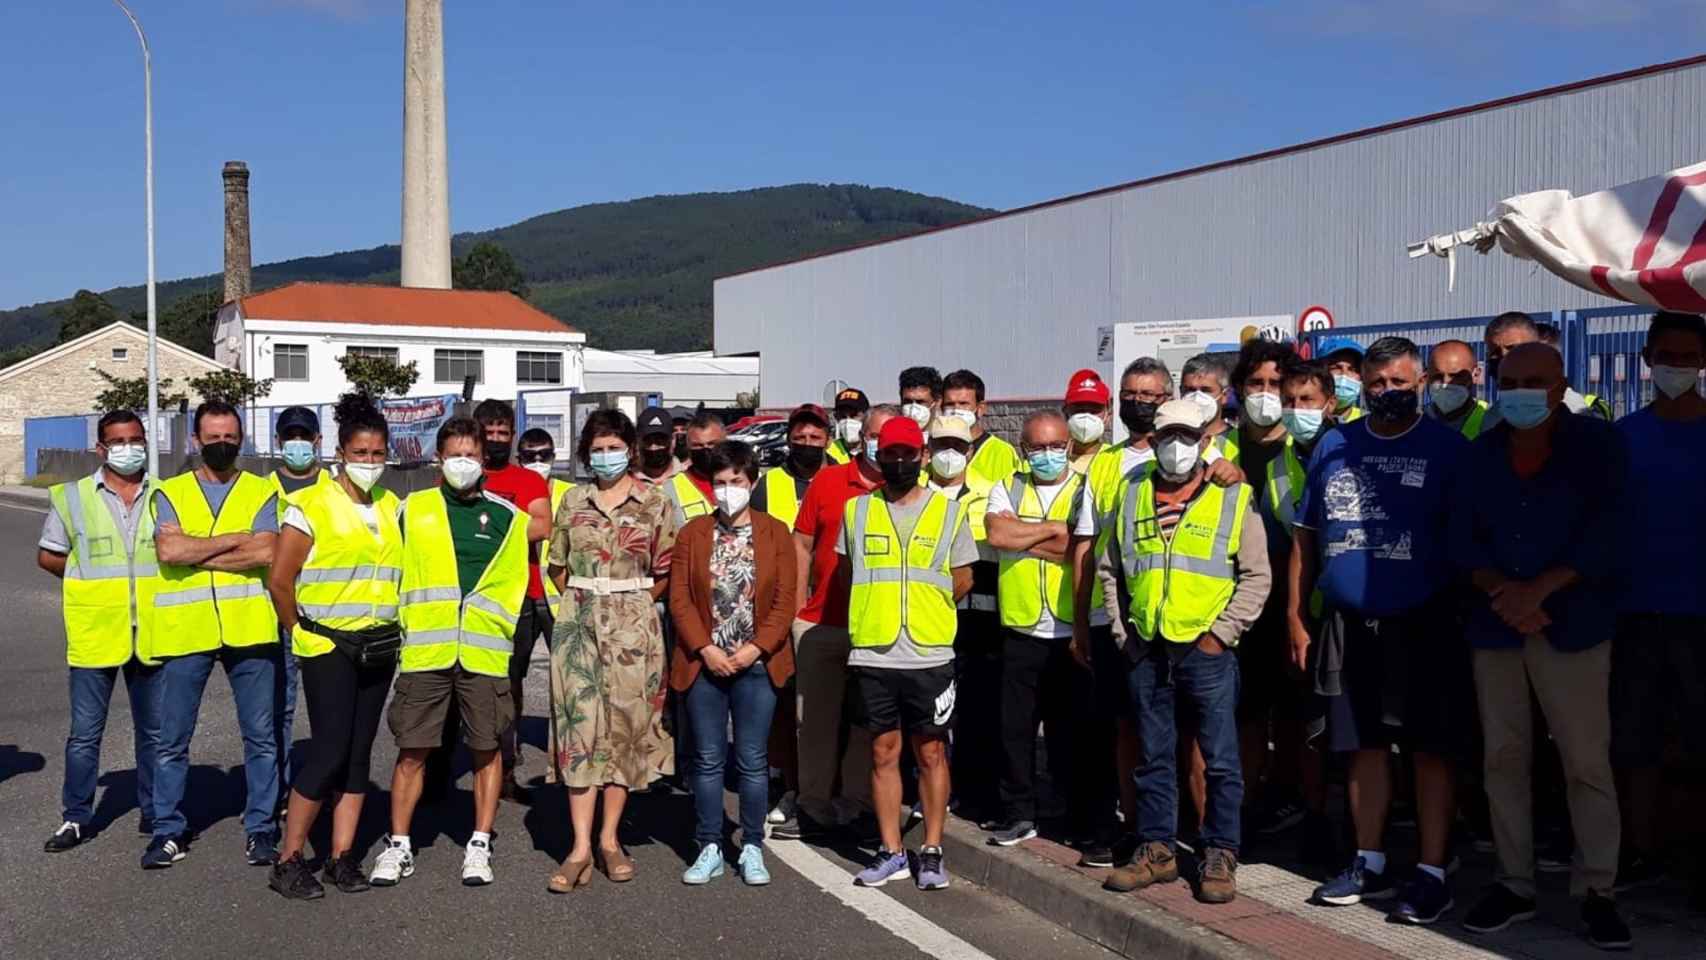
{"type": "Point", "coordinates": [769, 439]}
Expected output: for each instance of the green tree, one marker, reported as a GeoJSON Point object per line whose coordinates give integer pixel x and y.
{"type": "Point", "coordinates": [378, 377]}
{"type": "Point", "coordinates": [132, 394]}
{"type": "Point", "coordinates": [488, 266]}
{"type": "Point", "coordinates": [231, 386]}
{"type": "Point", "coordinates": [189, 320]}
{"type": "Point", "coordinates": [747, 398]}
{"type": "Point", "coordinates": [86, 313]}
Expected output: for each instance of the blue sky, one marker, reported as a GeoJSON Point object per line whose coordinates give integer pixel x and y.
{"type": "Point", "coordinates": [554, 103]}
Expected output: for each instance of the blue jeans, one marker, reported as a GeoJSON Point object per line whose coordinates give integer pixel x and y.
{"type": "Point", "coordinates": [1206, 688]}
{"type": "Point", "coordinates": [285, 712]}
{"type": "Point", "coordinates": [91, 692]}
{"type": "Point", "coordinates": [750, 699]}
{"type": "Point", "coordinates": [253, 674]}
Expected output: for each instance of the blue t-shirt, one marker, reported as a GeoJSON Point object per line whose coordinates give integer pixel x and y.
{"type": "Point", "coordinates": [1666, 515]}
{"type": "Point", "coordinates": [1378, 507]}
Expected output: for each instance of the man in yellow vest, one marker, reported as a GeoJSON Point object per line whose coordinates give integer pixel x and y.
{"type": "Point", "coordinates": [1202, 381]}
{"type": "Point", "coordinates": [1451, 388]}
{"type": "Point", "coordinates": [215, 528]}
{"type": "Point", "coordinates": [782, 487]}
{"type": "Point", "coordinates": [992, 458]}
{"type": "Point", "coordinates": [851, 409]}
{"type": "Point", "coordinates": [296, 436]}
{"type": "Point", "coordinates": [689, 491]}
{"type": "Point", "coordinates": [1194, 559]}
{"type": "Point", "coordinates": [906, 553]}
{"type": "Point", "coordinates": [99, 539]}
{"type": "Point", "coordinates": [464, 580]}
{"type": "Point", "coordinates": [920, 395]}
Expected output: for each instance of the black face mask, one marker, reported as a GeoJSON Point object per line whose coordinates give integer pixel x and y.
{"type": "Point", "coordinates": [805, 460]}
{"type": "Point", "coordinates": [219, 456]}
{"type": "Point", "coordinates": [681, 451]}
{"type": "Point", "coordinates": [901, 474]}
{"type": "Point", "coordinates": [701, 461]}
{"type": "Point", "coordinates": [1393, 404]}
{"type": "Point", "coordinates": [497, 455]}
{"type": "Point", "coordinates": [655, 458]}
{"type": "Point", "coordinates": [1138, 416]}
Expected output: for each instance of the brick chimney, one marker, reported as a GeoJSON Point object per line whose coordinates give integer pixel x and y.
{"type": "Point", "coordinates": [236, 176]}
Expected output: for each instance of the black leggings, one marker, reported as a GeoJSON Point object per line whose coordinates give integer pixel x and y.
{"type": "Point", "coordinates": [345, 703]}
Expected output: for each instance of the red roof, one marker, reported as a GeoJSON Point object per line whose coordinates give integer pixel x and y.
{"type": "Point", "coordinates": [400, 306]}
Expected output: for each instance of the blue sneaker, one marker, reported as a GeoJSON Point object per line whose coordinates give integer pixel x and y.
{"type": "Point", "coordinates": [162, 852]}
{"type": "Point", "coordinates": [1356, 884]}
{"type": "Point", "coordinates": [885, 866]}
{"type": "Point", "coordinates": [752, 870]}
{"type": "Point", "coordinates": [931, 874]}
{"type": "Point", "coordinates": [708, 867]}
{"type": "Point", "coordinates": [260, 849]}
{"type": "Point", "coordinates": [1424, 899]}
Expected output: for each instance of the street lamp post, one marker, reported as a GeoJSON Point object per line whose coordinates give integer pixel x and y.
{"type": "Point", "coordinates": [148, 189]}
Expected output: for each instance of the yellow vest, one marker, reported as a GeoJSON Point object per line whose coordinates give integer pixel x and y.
{"type": "Point", "coordinates": [1106, 487]}
{"type": "Point", "coordinates": [107, 580]}
{"type": "Point", "coordinates": [780, 499]}
{"type": "Point", "coordinates": [837, 452]}
{"type": "Point", "coordinates": [1349, 415]}
{"type": "Point", "coordinates": [558, 488]}
{"type": "Point", "coordinates": [1228, 445]}
{"type": "Point", "coordinates": [1471, 427]}
{"type": "Point", "coordinates": [901, 584]}
{"type": "Point", "coordinates": [441, 627]}
{"type": "Point", "coordinates": [322, 477]}
{"type": "Point", "coordinates": [196, 610]}
{"type": "Point", "coordinates": [688, 500]}
{"type": "Point", "coordinates": [994, 461]}
{"type": "Point", "coordinates": [1179, 586]}
{"type": "Point", "coordinates": [349, 581]}
{"type": "Point", "coordinates": [1026, 583]}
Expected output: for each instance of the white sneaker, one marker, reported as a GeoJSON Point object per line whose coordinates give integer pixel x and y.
{"type": "Point", "coordinates": [785, 808]}
{"type": "Point", "coordinates": [477, 864]}
{"type": "Point", "coordinates": [393, 864]}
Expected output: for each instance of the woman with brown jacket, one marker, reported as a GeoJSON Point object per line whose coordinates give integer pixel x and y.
{"type": "Point", "coordinates": [731, 596]}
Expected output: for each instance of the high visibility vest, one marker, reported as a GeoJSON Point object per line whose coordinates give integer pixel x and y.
{"type": "Point", "coordinates": [558, 488]}
{"type": "Point", "coordinates": [689, 502]}
{"type": "Point", "coordinates": [973, 498]}
{"type": "Point", "coordinates": [108, 580]}
{"type": "Point", "coordinates": [781, 495]}
{"type": "Point", "coordinates": [441, 627]}
{"type": "Point", "coordinates": [1281, 495]}
{"type": "Point", "coordinates": [837, 452]}
{"type": "Point", "coordinates": [350, 579]}
{"type": "Point", "coordinates": [1180, 585]}
{"type": "Point", "coordinates": [994, 461]}
{"type": "Point", "coordinates": [901, 583]}
{"type": "Point", "coordinates": [322, 477]}
{"type": "Point", "coordinates": [1228, 445]}
{"type": "Point", "coordinates": [1349, 415]}
{"type": "Point", "coordinates": [196, 610]}
{"type": "Point", "coordinates": [1471, 427]}
{"type": "Point", "coordinates": [1598, 407]}
{"type": "Point", "coordinates": [1106, 487]}
{"type": "Point", "coordinates": [1028, 584]}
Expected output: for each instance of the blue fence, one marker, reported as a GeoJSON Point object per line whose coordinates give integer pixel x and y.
{"type": "Point", "coordinates": [64, 433]}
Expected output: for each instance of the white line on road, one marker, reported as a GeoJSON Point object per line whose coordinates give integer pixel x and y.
{"type": "Point", "coordinates": [19, 506]}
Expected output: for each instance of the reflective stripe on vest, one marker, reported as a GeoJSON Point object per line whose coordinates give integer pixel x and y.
{"type": "Point", "coordinates": [688, 500]}
{"type": "Point", "coordinates": [781, 499]}
{"type": "Point", "coordinates": [1284, 486]}
{"type": "Point", "coordinates": [1107, 486]}
{"type": "Point", "coordinates": [441, 627]}
{"type": "Point", "coordinates": [1228, 445]}
{"type": "Point", "coordinates": [898, 584]}
{"type": "Point", "coordinates": [1179, 585]}
{"type": "Point", "coordinates": [196, 610]}
{"type": "Point", "coordinates": [558, 488]}
{"type": "Point", "coordinates": [350, 579]}
{"type": "Point", "coordinates": [109, 581]}
{"type": "Point", "coordinates": [1027, 584]}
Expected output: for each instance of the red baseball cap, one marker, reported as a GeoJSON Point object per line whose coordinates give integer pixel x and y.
{"type": "Point", "coordinates": [900, 432]}
{"type": "Point", "coordinates": [1086, 386]}
{"type": "Point", "coordinates": [808, 411]}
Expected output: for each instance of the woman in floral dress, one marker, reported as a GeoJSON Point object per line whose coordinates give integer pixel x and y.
{"type": "Point", "coordinates": [610, 551]}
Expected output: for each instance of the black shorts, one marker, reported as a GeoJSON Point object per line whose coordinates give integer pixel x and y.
{"type": "Point", "coordinates": [921, 702]}
{"type": "Point", "coordinates": [1406, 680]}
{"type": "Point", "coordinates": [1658, 688]}
{"type": "Point", "coordinates": [1271, 686]}
{"type": "Point", "coordinates": [1110, 671]}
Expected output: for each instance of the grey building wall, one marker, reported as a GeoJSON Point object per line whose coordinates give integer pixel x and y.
{"type": "Point", "coordinates": [1019, 298]}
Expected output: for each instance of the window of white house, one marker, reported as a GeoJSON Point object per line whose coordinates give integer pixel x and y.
{"type": "Point", "coordinates": [121, 354]}
{"type": "Point", "coordinates": [454, 366]}
{"type": "Point", "coordinates": [551, 423]}
{"type": "Point", "coordinates": [377, 353]}
{"type": "Point", "coordinates": [290, 361]}
{"type": "Point", "coordinates": [538, 368]}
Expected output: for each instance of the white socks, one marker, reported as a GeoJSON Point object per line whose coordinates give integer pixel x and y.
{"type": "Point", "coordinates": [483, 839]}
{"type": "Point", "coordinates": [403, 842]}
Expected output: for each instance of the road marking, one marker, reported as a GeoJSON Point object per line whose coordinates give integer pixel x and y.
{"type": "Point", "coordinates": [18, 506]}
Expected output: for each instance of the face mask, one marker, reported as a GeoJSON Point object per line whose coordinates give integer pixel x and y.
{"type": "Point", "coordinates": [848, 430]}
{"type": "Point", "coordinates": [901, 474]}
{"type": "Point", "coordinates": [1048, 465]}
{"type": "Point", "coordinates": [1085, 427]}
{"type": "Point", "coordinates": [543, 468]}
{"type": "Point", "coordinates": [967, 417]}
{"type": "Point", "coordinates": [497, 455]}
{"type": "Point", "coordinates": [655, 458]}
{"type": "Point", "coordinates": [1524, 409]}
{"type": "Point", "coordinates": [1673, 382]}
{"type": "Point", "coordinates": [126, 458]}
{"type": "Point", "coordinates": [1303, 423]}
{"type": "Point", "coordinates": [731, 500]}
{"type": "Point", "coordinates": [1450, 398]}
{"type": "Point", "coordinates": [1262, 409]}
{"type": "Point", "coordinates": [918, 413]}
{"type": "Point", "coordinates": [1346, 389]}
{"type": "Point", "coordinates": [1394, 404]}
{"type": "Point", "coordinates": [871, 449]}
{"type": "Point", "coordinates": [680, 449]}
{"type": "Point", "coordinates": [1177, 458]}
{"type": "Point", "coordinates": [364, 475]}
{"type": "Point", "coordinates": [1205, 402]}
{"type": "Point", "coordinates": [1138, 416]}
{"type": "Point", "coordinates": [298, 454]}
{"type": "Point", "coordinates": [700, 460]}
{"type": "Point", "coordinates": [462, 472]}
{"type": "Point", "coordinates": [948, 464]}
{"type": "Point", "coordinates": [219, 456]}
{"type": "Point", "coordinates": [805, 460]}
{"type": "Point", "coordinates": [608, 464]}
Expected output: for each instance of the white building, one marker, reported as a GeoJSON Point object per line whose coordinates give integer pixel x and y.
{"type": "Point", "coordinates": [684, 379]}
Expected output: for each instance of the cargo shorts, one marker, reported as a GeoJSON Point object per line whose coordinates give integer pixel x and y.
{"type": "Point", "coordinates": [420, 705]}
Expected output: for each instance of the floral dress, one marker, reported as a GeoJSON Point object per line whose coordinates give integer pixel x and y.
{"type": "Point", "coordinates": [608, 673]}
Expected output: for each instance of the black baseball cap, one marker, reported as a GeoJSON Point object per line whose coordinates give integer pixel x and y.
{"type": "Point", "coordinates": [853, 399]}
{"type": "Point", "coordinates": [297, 418]}
{"type": "Point", "coordinates": [654, 420]}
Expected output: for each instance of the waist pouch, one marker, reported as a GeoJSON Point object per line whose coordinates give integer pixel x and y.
{"type": "Point", "coordinates": [372, 647]}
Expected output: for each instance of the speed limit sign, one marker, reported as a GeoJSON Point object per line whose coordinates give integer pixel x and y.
{"type": "Point", "coordinates": [1313, 320]}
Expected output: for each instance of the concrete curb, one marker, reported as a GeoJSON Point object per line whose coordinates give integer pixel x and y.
{"type": "Point", "coordinates": [1067, 898]}
{"type": "Point", "coordinates": [27, 497]}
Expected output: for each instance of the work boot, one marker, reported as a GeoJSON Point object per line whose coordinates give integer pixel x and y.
{"type": "Point", "coordinates": [1155, 863]}
{"type": "Point", "coordinates": [1218, 882]}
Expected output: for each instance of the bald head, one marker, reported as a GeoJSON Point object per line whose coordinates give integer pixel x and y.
{"type": "Point", "coordinates": [1532, 366]}
{"type": "Point", "coordinates": [1451, 362]}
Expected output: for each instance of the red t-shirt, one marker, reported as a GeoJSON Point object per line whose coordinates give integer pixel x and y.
{"type": "Point", "coordinates": [521, 487]}
{"type": "Point", "coordinates": [820, 517]}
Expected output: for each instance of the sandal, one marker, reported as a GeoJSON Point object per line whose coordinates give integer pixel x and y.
{"type": "Point", "coordinates": [615, 865]}
{"type": "Point", "coordinates": [573, 873]}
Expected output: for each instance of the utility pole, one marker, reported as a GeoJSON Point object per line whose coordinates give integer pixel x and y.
{"type": "Point", "coordinates": [148, 190]}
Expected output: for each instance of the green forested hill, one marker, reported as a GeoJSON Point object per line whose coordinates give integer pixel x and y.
{"type": "Point", "coordinates": [631, 274]}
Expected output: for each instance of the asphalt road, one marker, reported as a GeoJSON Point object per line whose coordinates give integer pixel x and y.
{"type": "Point", "coordinates": [95, 902]}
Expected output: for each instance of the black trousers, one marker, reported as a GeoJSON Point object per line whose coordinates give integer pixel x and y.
{"type": "Point", "coordinates": [1041, 683]}
{"type": "Point", "coordinates": [978, 754]}
{"type": "Point", "coordinates": [345, 703]}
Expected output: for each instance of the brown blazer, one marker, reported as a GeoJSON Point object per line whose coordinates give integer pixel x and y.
{"type": "Point", "coordinates": [773, 596]}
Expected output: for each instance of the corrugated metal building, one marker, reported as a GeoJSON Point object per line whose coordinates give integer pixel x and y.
{"type": "Point", "coordinates": [1019, 296]}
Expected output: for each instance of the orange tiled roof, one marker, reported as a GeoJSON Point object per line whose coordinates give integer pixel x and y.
{"type": "Point", "coordinates": [400, 306]}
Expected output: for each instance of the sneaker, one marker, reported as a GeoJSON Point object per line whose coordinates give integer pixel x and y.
{"type": "Point", "coordinates": [1424, 899]}
{"type": "Point", "coordinates": [477, 863]}
{"type": "Point", "coordinates": [885, 866]}
{"type": "Point", "coordinates": [162, 852]}
{"type": "Point", "coordinates": [1096, 853]}
{"type": "Point", "coordinates": [753, 873]}
{"type": "Point", "coordinates": [931, 874]}
{"type": "Point", "coordinates": [1637, 870]}
{"type": "Point", "coordinates": [1278, 818]}
{"type": "Point", "coordinates": [1606, 930]}
{"type": "Point", "coordinates": [1124, 849]}
{"type": "Point", "coordinates": [1556, 855]}
{"type": "Point", "coordinates": [394, 863]}
{"type": "Point", "coordinates": [708, 867]}
{"type": "Point", "coordinates": [1218, 881]}
{"type": "Point", "coordinates": [1356, 884]}
{"type": "Point", "coordinates": [1154, 863]}
{"type": "Point", "coordinates": [294, 881]}
{"type": "Point", "coordinates": [345, 873]}
{"type": "Point", "coordinates": [1498, 909]}
{"type": "Point", "coordinates": [1318, 842]}
{"type": "Point", "coordinates": [260, 849]}
{"type": "Point", "coordinates": [67, 836]}
{"type": "Point", "coordinates": [1013, 833]}
{"type": "Point", "coordinates": [801, 826]}
{"type": "Point", "coordinates": [785, 808]}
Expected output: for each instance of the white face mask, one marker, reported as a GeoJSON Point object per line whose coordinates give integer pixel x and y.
{"type": "Point", "coordinates": [1176, 458]}
{"type": "Point", "coordinates": [364, 475]}
{"type": "Point", "coordinates": [540, 467]}
{"type": "Point", "coordinates": [1205, 402]}
{"type": "Point", "coordinates": [731, 500]}
{"type": "Point", "coordinates": [968, 417]}
{"type": "Point", "coordinates": [848, 430]}
{"type": "Point", "coordinates": [461, 472]}
{"type": "Point", "coordinates": [1263, 409]}
{"type": "Point", "coordinates": [918, 413]}
{"type": "Point", "coordinates": [126, 458]}
{"type": "Point", "coordinates": [1450, 397]}
{"type": "Point", "coordinates": [1085, 427]}
{"type": "Point", "coordinates": [948, 464]}
{"type": "Point", "coordinates": [1673, 382]}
